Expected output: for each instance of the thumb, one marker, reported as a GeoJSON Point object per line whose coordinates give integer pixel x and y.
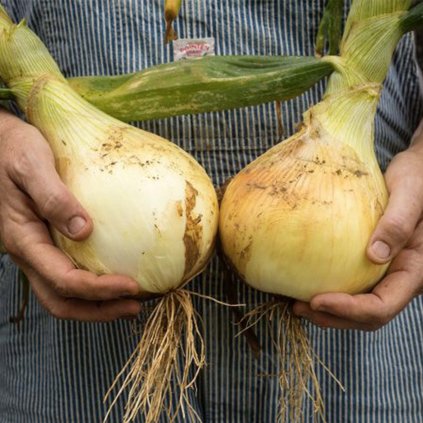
{"type": "Point", "coordinates": [53, 200]}
{"type": "Point", "coordinates": [398, 223]}
{"type": "Point", "coordinates": [62, 210]}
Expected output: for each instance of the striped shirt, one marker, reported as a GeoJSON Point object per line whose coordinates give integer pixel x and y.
{"type": "Point", "coordinates": [54, 371]}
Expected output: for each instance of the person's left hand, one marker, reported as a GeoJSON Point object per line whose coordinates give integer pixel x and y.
{"type": "Point", "coordinates": [397, 237]}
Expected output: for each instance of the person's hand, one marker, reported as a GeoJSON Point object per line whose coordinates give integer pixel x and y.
{"type": "Point", "coordinates": [397, 237]}
{"type": "Point", "coordinates": [32, 194]}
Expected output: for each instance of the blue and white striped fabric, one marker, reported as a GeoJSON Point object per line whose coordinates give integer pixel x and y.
{"type": "Point", "coordinates": [55, 371]}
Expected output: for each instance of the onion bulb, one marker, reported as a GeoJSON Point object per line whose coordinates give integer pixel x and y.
{"type": "Point", "coordinates": [297, 220]}
{"type": "Point", "coordinates": [153, 206]}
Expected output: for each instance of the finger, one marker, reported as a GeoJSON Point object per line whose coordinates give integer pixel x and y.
{"type": "Point", "coordinates": [32, 249]}
{"type": "Point", "coordinates": [58, 272]}
{"type": "Point", "coordinates": [78, 309]}
{"type": "Point", "coordinates": [89, 311]}
{"type": "Point", "coordinates": [36, 175]}
{"type": "Point", "coordinates": [397, 224]}
{"type": "Point", "coordinates": [325, 320]}
{"type": "Point", "coordinates": [372, 310]}
{"type": "Point", "coordinates": [105, 311]}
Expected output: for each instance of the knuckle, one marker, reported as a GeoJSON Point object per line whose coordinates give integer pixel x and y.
{"type": "Point", "coordinates": [53, 202]}
{"type": "Point", "coordinates": [61, 289]}
{"type": "Point", "coordinates": [92, 292]}
{"type": "Point", "coordinates": [14, 242]}
{"type": "Point", "coordinates": [378, 320]}
{"type": "Point", "coordinates": [386, 318]}
{"type": "Point", "coordinates": [23, 166]}
{"type": "Point", "coordinates": [59, 311]}
{"type": "Point", "coordinates": [11, 246]}
{"type": "Point", "coordinates": [399, 227]}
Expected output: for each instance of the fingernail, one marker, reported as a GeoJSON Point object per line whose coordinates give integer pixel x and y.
{"type": "Point", "coordinates": [132, 290]}
{"type": "Point", "coordinates": [381, 250]}
{"type": "Point", "coordinates": [76, 224]}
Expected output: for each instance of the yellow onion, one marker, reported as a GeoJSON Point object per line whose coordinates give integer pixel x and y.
{"type": "Point", "coordinates": [153, 206]}
{"type": "Point", "coordinates": [297, 220]}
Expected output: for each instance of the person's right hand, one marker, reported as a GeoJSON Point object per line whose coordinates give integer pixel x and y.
{"type": "Point", "coordinates": [32, 194]}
